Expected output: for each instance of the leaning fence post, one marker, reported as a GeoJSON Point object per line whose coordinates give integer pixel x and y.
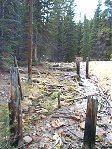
{"type": "Point", "coordinates": [78, 69]}
{"type": "Point", "coordinates": [19, 82]}
{"type": "Point", "coordinates": [59, 105]}
{"type": "Point", "coordinates": [87, 68]}
{"type": "Point", "coordinates": [90, 124]}
{"type": "Point", "coordinates": [15, 115]}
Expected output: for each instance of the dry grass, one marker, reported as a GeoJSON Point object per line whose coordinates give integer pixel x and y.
{"type": "Point", "coordinates": [103, 71]}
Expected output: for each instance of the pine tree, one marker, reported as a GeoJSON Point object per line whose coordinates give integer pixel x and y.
{"type": "Point", "coordinates": [9, 28]}
{"type": "Point", "coordinates": [95, 31]}
{"type": "Point", "coordinates": [85, 51]}
{"type": "Point", "coordinates": [69, 31]}
{"type": "Point", "coordinates": [78, 37]}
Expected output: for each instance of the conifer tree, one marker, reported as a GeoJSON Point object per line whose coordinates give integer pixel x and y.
{"type": "Point", "coordinates": [85, 51]}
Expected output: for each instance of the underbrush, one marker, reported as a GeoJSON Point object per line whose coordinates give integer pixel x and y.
{"type": "Point", "coordinates": [4, 128]}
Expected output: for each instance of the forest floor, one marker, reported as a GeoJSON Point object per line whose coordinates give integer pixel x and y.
{"type": "Point", "coordinates": [46, 126]}
{"type": "Point", "coordinates": [4, 87]}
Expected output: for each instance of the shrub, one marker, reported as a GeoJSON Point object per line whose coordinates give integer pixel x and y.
{"type": "Point", "coordinates": [4, 128]}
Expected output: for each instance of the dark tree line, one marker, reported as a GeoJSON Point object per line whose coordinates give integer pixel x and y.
{"type": "Point", "coordinates": [56, 34]}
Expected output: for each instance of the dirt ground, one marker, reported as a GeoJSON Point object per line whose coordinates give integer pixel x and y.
{"type": "Point", "coordinates": [44, 125]}
{"type": "Point", "coordinates": [101, 69]}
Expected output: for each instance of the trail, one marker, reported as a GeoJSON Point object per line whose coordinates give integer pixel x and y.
{"type": "Point", "coordinates": [50, 126]}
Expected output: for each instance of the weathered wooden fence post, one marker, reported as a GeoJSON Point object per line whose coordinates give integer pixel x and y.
{"type": "Point", "coordinates": [87, 68]}
{"type": "Point", "coordinates": [15, 115]}
{"type": "Point", "coordinates": [19, 82]}
{"type": "Point", "coordinates": [78, 69]}
{"type": "Point", "coordinates": [90, 124]}
{"type": "Point", "coordinates": [59, 105]}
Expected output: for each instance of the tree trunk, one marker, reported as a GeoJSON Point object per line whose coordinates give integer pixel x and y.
{"type": "Point", "coordinates": [30, 45]}
{"type": "Point", "coordinates": [35, 52]}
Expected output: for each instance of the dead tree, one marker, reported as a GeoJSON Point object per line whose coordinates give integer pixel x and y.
{"type": "Point", "coordinates": [30, 45]}
{"type": "Point", "coordinates": [15, 115]}
{"type": "Point", "coordinates": [90, 124]}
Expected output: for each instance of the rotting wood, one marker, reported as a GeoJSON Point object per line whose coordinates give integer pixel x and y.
{"type": "Point", "coordinates": [90, 124]}
{"type": "Point", "coordinates": [65, 116]}
{"type": "Point", "coordinates": [15, 116]}
{"type": "Point", "coordinates": [19, 82]}
{"type": "Point", "coordinates": [87, 68]}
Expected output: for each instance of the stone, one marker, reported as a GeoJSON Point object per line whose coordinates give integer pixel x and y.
{"type": "Point", "coordinates": [42, 111]}
{"type": "Point", "coordinates": [82, 125]}
{"type": "Point", "coordinates": [32, 97]}
{"type": "Point", "coordinates": [57, 123]}
{"type": "Point", "coordinates": [25, 108]}
{"type": "Point", "coordinates": [27, 139]}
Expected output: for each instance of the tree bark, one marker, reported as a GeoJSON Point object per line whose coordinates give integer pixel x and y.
{"type": "Point", "coordinates": [35, 52]}
{"type": "Point", "coordinates": [30, 44]}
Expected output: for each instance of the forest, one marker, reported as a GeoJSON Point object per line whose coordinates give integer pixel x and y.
{"type": "Point", "coordinates": [55, 75]}
{"type": "Point", "coordinates": [56, 34]}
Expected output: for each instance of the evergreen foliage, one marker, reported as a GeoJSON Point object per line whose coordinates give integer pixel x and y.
{"type": "Point", "coordinates": [55, 32]}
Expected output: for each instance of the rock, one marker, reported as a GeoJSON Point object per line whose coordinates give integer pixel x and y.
{"type": "Point", "coordinates": [32, 97]}
{"type": "Point", "coordinates": [42, 111]}
{"type": "Point", "coordinates": [35, 145]}
{"type": "Point", "coordinates": [40, 97]}
{"type": "Point", "coordinates": [77, 117]}
{"type": "Point", "coordinates": [25, 108]}
{"type": "Point", "coordinates": [57, 123]}
{"type": "Point", "coordinates": [64, 103]}
{"type": "Point", "coordinates": [29, 102]}
{"type": "Point", "coordinates": [69, 100]}
{"type": "Point", "coordinates": [99, 131]}
{"type": "Point", "coordinates": [81, 84]}
{"type": "Point", "coordinates": [27, 139]}
{"type": "Point", "coordinates": [2, 92]}
{"type": "Point", "coordinates": [82, 125]}
{"type": "Point", "coordinates": [35, 80]}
